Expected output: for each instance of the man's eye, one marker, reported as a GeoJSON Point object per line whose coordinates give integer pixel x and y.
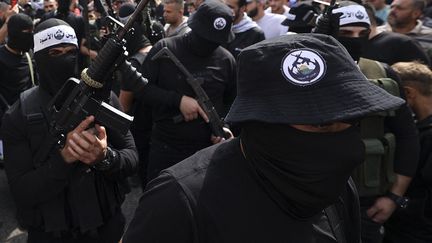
{"type": "Point", "coordinates": [71, 51]}
{"type": "Point", "coordinates": [55, 52]}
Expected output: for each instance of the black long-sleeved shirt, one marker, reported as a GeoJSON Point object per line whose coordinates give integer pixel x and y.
{"type": "Point", "coordinates": [14, 75]}
{"type": "Point", "coordinates": [167, 85]}
{"type": "Point", "coordinates": [414, 223]}
{"type": "Point", "coordinates": [390, 48]}
{"type": "Point", "coordinates": [403, 127]}
{"type": "Point", "coordinates": [44, 193]}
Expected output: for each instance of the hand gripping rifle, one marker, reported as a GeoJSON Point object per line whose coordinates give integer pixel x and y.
{"type": "Point", "coordinates": [328, 23]}
{"type": "Point", "coordinates": [68, 108]}
{"type": "Point", "coordinates": [204, 101]}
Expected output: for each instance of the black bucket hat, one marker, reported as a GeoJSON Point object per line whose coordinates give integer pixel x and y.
{"type": "Point", "coordinates": [303, 79]}
{"type": "Point", "coordinates": [213, 21]}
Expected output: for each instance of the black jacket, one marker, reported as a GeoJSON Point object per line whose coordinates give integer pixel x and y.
{"type": "Point", "coordinates": [214, 196]}
{"type": "Point", "coordinates": [55, 196]}
{"type": "Point", "coordinates": [245, 39]}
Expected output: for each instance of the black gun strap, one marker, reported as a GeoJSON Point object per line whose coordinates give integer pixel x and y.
{"type": "Point", "coordinates": [33, 106]}
{"type": "Point", "coordinates": [335, 223]}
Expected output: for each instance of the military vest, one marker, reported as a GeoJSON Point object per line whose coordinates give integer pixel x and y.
{"type": "Point", "coordinates": [375, 176]}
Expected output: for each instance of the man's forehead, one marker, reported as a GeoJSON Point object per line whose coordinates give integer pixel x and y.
{"type": "Point", "coordinates": [402, 3]}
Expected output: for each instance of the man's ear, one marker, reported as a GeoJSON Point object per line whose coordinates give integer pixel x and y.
{"type": "Point", "coordinates": [417, 13]}
{"type": "Point", "coordinates": [410, 92]}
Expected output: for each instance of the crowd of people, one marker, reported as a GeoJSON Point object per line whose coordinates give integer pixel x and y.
{"type": "Point", "coordinates": [325, 111]}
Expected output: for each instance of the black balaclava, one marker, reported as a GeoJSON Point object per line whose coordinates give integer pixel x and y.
{"type": "Point", "coordinates": [354, 45]}
{"type": "Point", "coordinates": [303, 172]}
{"type": "Point", "coordinates": [198, 45]}
{"type": "Point", "coordinates": [54, 71]}
{"type": "Point", "coordinates": [17, 39]}
{"type": "Point", "coordinates": [135, 40]}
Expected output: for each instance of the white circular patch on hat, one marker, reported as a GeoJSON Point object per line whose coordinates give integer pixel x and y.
{"type": "Point", "coordinates": [303, 67]}
{"type": "Point", "coordinates": [219, 23]}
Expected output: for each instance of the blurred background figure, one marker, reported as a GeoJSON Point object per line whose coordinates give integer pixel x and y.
{"type": "Point", "coordinates": [176, 22]}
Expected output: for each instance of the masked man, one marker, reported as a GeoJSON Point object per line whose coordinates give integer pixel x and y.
{"type": "Point", "coordinates": [169, 94]}
{"type": "Point", "coordinates": [16, 65]}
{"type": "Point", "coordinates": [74, 194]}
{"type": "Point", "coordinates": [297, 148]}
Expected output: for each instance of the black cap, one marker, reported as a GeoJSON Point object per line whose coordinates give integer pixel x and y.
{"type": "Point", "coordinates": [212, 21]}
{"type": "Point", "coordinates": [303, 79]}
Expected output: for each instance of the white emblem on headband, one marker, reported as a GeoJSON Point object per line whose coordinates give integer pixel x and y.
{"type": "Point", "coordinates": [303, 67]}
{"type": "Point", "coordinates": [60, 34]}
{"type": "Point", "coordinates": [219, 23]}
{"type": "Point", "coordinates": [352, 14]}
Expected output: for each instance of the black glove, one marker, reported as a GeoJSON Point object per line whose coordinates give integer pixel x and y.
{"type": "Point", "coordinates": [328, 23]}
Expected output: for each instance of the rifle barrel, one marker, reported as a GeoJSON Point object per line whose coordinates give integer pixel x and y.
{"type": "Point", "coordinates": [140, 7]}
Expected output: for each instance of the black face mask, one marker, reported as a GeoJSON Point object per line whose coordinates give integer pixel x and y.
{"type": "Point", "coordinates": [54, 71]}
{"type": "Point", "coordinates": [21, 41]}
{"type": "Point", "coordinates": [354, 46]}
{"type": "Point", "coordinates": [303, 172]}
{"type": "Point", "coordinates": [199, 46]}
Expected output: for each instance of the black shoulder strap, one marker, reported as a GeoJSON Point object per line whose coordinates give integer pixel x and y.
{"type": "Point", "coordinates": [33, 102]}
{"type": "Point", "coordinates": [344, 215]}
{"type": "Point", "coordinates": [30, 102]}
{"type": "Point", "coordinates": [335, 223]}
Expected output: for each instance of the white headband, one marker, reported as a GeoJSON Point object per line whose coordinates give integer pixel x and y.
{"type": "Point", "coordinates": [59, 34]}
{"type": "Point", "coordinates": [352, 14]}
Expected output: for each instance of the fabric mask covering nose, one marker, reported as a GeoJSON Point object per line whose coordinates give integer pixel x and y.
{"type": "Point", "coordinates": [354, 46]}
{"type": "Point", "coordinates": [198, 45]}
{"type": "Point", "coordinates": [22, 41]}
{"type": "Point", "coordinates": [54, 71]}
{"type": "Point", "coordinates": [303, 172]}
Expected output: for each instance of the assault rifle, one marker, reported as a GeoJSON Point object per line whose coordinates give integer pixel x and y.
{"type": "Point", "coordinates": [204, 101]}
{"type": "Point", "coordinates": [80, 102]}
{"type": "Point", "coordinates": [328, 23]}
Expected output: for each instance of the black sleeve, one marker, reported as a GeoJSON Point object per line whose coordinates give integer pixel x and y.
{"type": "Point", "coordinates": [424, 170]}
{"type": "Point", "coordinates": [407, 140]}
{"type": "Point", "coordinates": [29, 185]}
{"type": "Point", "coordinates": [164, 215]}
{"type": "Point", "coordinates": [231, 89]}
{"type": "Point", "coordinates": [259, 36]}
{"type": "Point", "coordinates": [127, 162]}
{"type": "Point", "coordinates": [152, 94]}
{"type": "Point", "coordinates": [412, 50]}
